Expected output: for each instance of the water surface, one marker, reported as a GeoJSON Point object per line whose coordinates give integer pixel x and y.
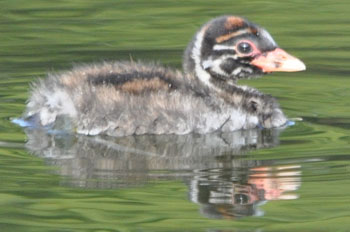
{"type": "Point", "coordinates": [292, 179]}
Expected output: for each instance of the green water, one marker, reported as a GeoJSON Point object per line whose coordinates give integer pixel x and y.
{"type": "Point", "coordinates": [296, 179]}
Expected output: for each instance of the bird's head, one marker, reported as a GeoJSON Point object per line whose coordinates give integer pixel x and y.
{"type": "Point", "coordinates": [229, 48]}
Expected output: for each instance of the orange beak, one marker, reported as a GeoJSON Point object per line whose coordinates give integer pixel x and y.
{"type": "Point", "coordinates": [278, 61]}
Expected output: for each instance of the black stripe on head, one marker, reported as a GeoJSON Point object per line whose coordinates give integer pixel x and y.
{"type": "Point", "coordinates": [217, 53]}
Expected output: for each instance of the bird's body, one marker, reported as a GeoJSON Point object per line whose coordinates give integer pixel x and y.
{"type": "Point", "coordinates": [126, 98]}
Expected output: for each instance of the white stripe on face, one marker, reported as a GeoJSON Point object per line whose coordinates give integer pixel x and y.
{"type": "Point", "coordinates": [220, 47]}
{"type": "Point", "coordinates": [214, 65]}
{"type": "Point", "coordinates": [196, 56]}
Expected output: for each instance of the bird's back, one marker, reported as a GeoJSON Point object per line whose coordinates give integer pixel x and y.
{"type": "Point", "coordinates": [124, 98]}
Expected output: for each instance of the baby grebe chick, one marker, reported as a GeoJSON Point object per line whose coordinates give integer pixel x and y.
{"type": "Point", "coordinates": [126, 98]}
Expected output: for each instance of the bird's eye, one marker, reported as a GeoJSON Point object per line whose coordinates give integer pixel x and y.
{"type": "Point", "coordinates": [244, 47]}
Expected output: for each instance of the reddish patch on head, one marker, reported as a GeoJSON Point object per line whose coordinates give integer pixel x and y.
{"type": "Point", "coordinates": [233, 22]}
{"type": "Point", "coordinates": [230, 35]}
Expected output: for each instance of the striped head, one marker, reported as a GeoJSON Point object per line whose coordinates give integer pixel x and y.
{"type": "Point", "coordinates": [229, 48]}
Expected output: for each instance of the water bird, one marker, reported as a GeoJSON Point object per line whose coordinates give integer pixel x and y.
{"type": "Point", "coordinates": [132, 98]}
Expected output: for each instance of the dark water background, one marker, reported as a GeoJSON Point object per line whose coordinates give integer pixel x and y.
{"type": "Point", "coordinates": [296, 179]}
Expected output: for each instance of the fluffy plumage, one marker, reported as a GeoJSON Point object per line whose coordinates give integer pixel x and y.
{"type": "Point", "coordinates": [125, 98]}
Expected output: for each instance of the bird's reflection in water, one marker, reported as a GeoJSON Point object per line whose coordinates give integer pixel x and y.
{"type": "Point", "coordinates": [214, 166]}
{"type": "Point", "coordinates": [238, 193]}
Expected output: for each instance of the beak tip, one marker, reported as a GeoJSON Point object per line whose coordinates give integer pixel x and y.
{"type": "Point", "coordinates": [291, 65]}
{"type": "Point", "coordinates": [300, 66]}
